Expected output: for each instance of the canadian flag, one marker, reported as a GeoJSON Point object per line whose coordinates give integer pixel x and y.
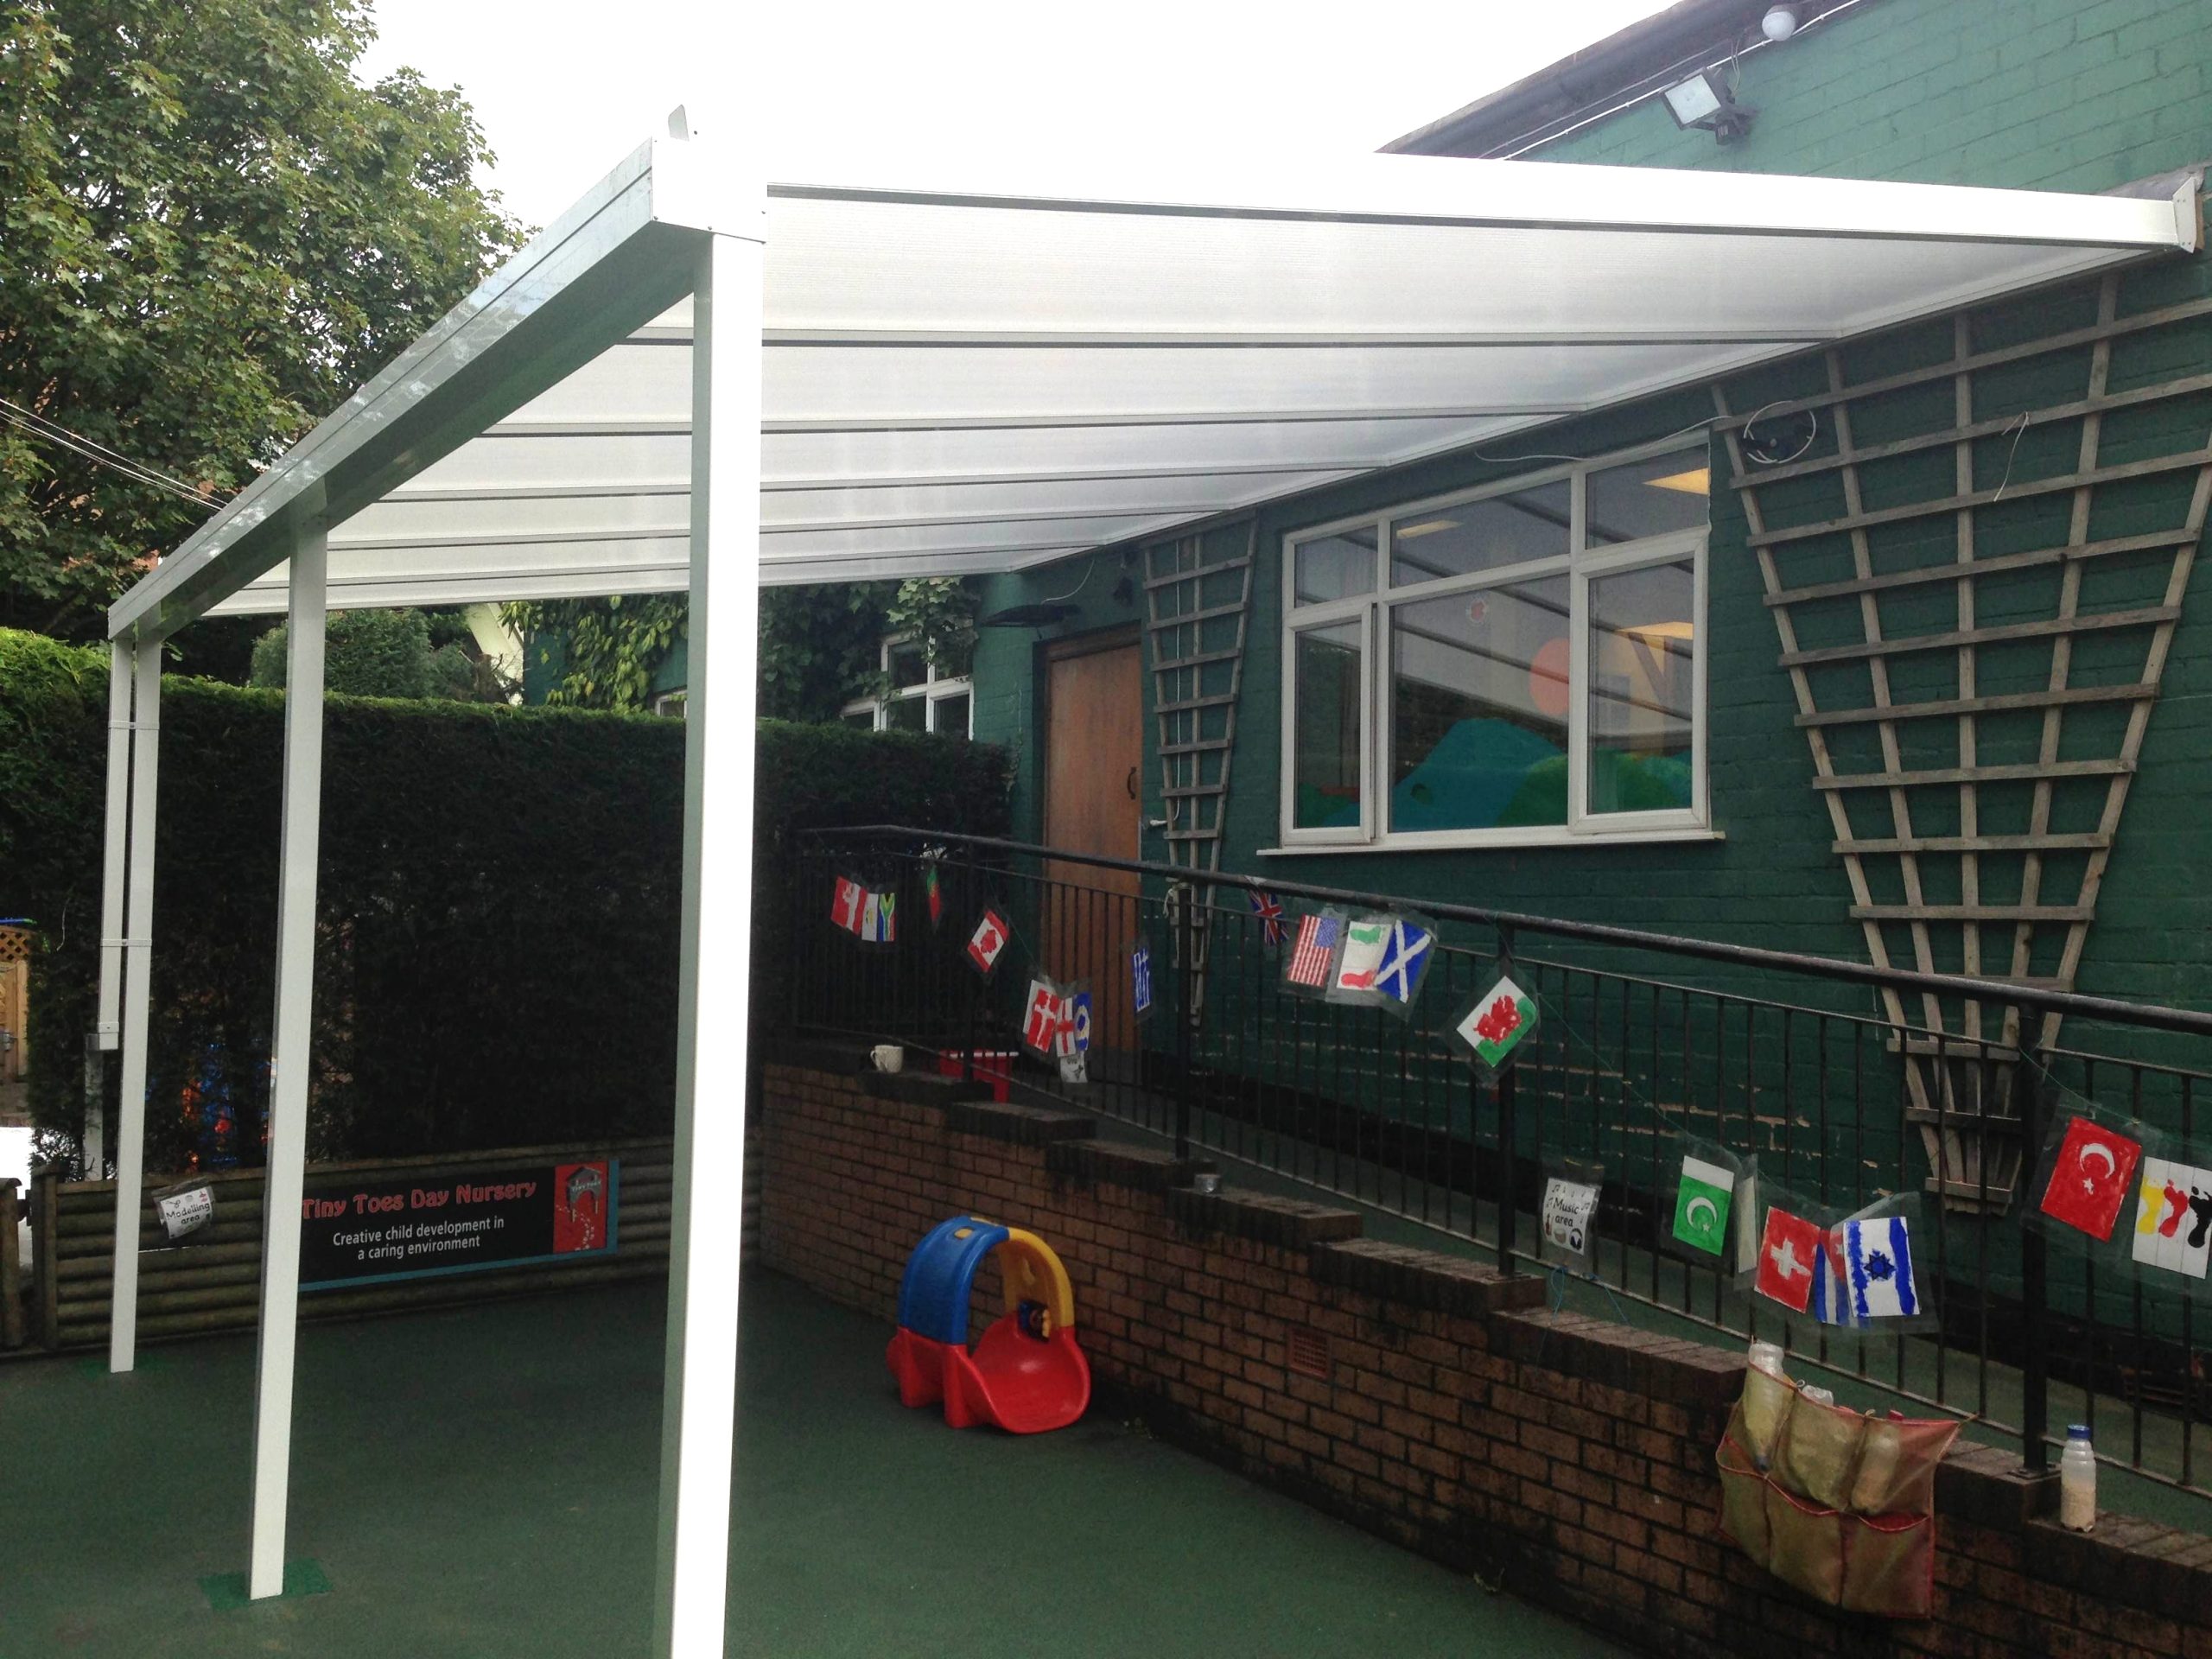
{"type": "Point", "coordinates": [845, 906]}
{"type": "Point", "coordinates": [2091, 1177]}
{"type": "Point", "coordinates": [1789, 1254]}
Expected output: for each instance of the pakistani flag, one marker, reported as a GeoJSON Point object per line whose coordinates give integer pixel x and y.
{"type": "Point", "coordinates": [1702, 1204]}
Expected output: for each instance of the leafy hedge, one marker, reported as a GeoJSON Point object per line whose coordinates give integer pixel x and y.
{"type": "Point", "coordinates": [500, 889]}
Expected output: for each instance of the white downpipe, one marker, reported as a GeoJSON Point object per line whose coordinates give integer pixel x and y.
{"type": "Point", "coordinates": [137, 1000]}
{"type": "Point", "coordinates": [290, 1058]}
{"type": "Point", "coordinates": [698, 1412]}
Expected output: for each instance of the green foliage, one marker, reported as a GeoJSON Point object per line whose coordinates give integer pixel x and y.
{"type": "Point", "coordinates": [819, 645]}
{"type": "Point", "coordinates": [391, 654]}
{"type": "Point", "coordinates": [611, 648]}
{"type": "Point", "coordinates": [499, 888]}
{"type": "Point", "coordinates": [210, 233]}
{"type": "Point", "coordinates": [939, 613]}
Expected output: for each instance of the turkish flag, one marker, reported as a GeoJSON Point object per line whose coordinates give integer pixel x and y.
{"type": "Point", "coordinates": [2091, 1178]}
{"type": "Point", "coordinates": [1789, 1254]}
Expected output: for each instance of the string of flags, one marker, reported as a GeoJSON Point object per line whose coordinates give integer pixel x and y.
{"type": "Point", "coordinates": [870, 914]}
{"type": "Point", "coordinates": [2121, 1191]}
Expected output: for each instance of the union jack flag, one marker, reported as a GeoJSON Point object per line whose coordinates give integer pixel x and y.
{"type": "Point", "coordinates": [1268, 909]}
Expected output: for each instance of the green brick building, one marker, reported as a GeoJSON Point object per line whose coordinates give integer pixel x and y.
{"type": "Point", "coordinates": [1455, 786]}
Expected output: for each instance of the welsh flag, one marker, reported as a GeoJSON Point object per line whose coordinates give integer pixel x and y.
{"type": "Point", "coordinates": [1499, 1023]}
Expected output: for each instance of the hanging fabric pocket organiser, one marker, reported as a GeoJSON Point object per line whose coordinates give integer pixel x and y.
{"type": "Point", "coordinates": [1839, 1505]}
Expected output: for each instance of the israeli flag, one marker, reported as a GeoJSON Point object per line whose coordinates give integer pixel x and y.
{"type": "Point", "coordinates": [1878, 1260]}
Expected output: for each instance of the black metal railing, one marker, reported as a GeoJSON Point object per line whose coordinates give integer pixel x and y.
{"type": "Point", "coordinates": [1809, 1064]}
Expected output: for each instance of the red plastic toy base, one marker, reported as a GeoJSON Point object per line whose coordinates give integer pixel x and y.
{"type": "Point", "coordinates": [1012, 1381]}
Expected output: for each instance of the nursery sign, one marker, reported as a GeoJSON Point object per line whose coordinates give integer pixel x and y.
{"type": "Point", "coordinates": [368, 1231]}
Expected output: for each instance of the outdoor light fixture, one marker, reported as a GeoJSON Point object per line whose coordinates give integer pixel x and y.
{"type": "Point", "coordinates": [1704, 102]}
{"type": "Point", "coordinates": [1783, 21]}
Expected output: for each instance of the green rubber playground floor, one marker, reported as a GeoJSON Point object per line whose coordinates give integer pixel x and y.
{"type": "Point", "coordinates": [479, 1483]}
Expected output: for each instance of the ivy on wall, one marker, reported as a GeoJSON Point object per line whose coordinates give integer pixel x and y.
{"type": "Point", "coordinates": [819, 645]}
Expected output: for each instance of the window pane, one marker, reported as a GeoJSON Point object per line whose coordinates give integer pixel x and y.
{"type": "Point", "coordinates": [1642, 685]}
{"type": "Point", "coordinates": [908, 667]}
{"type": "Point", "coordinates": [948, 716]}
{"type": "Point", "coordinates": [1649, 498]}
{"type": "Point", "coordinates": [1485, 535]}
{"type": "Point", "coordinates": [1336, 567]}
{"type": "Point", "coordinates": [862, 718]}
{"type": "Point", "coordinates": [907, 713]}
{"type": "Point", "coordinates": [1325, 787]}
{"type": "Point", "coordinates": [1478, 704]}
{"type": "Point", "coordinates": [956, 657]}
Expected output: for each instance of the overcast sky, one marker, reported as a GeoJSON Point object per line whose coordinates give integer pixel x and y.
{"type": "Point", "coordinates": [853, 89]}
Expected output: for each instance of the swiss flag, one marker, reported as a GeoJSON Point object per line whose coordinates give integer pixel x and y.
{"type": "Point", "coordinates": [2091, 1178]}
{"type": "Point", "coordinates": [1789, 1254]}
{"type": "Point", "coordinates": [845, 907]}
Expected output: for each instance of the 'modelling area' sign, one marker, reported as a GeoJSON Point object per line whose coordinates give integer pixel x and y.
{"type": "Point", "coordinates": [382, 1229]}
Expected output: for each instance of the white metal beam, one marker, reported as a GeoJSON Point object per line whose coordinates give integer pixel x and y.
{"type": "Point", "coordinates": [290, 1058]}
{"type": "Point", "coordinates": [698, 1412]}
{"type": "Point", "coordinates": [137, 999]}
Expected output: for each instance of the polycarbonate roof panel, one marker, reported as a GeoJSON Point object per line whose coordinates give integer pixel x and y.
{"type": "Point", "coordinates": [965, 381]}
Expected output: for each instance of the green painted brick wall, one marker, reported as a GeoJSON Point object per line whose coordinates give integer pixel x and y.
{"type": "Point", "coordinates": [2038, 95]}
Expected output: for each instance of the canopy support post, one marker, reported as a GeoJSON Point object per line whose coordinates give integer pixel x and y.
{"type": "Point", "coordinates": [135, 697]}
{"type": "Point", "coordinates": [290, 1058]}
{"type": "Point", "coordinates": [106, 1032]}
{"type": "Point", "coordinates": [699, 1408]}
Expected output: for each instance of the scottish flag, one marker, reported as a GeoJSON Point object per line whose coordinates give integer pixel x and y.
{"type": "Point", "coordinates": [1878, 1263]}
{"type": "Point", "coordinates": [1405, 960]}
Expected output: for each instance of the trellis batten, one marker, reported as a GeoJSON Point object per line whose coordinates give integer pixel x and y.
{"type": "Point", "coordinates": [1941, 882]}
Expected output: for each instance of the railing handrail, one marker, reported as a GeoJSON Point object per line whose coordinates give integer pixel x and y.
{"type": "Point", "coordinates": [2150, 1016]}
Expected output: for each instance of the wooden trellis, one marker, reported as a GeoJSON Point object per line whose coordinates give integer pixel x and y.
{"type": "Point", "coordinates": [1931, 882]}
{"type": "Point", "coordinates": [1195, 615]}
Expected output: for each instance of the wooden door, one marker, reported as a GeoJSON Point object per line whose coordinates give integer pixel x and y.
{"type": "Point", "coordinates": [1094, 787]}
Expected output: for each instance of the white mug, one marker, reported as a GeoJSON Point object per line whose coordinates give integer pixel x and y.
{"type": "Point", "coordinates": [888, 1056]}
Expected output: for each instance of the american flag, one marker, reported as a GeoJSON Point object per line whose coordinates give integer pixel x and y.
{"type": "Point", "coordinates": [1317, 944]}
{"type": "Point", "coordinates": [1268, 909]}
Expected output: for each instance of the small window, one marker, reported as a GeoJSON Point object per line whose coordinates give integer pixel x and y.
{"type": "Point", "coordinates": [923, 697]}
{"type": "Point", "coordinates": [1337, 567]}
{"type": "Point", "coordinates": [1649, 498]}
{"type": "Point", "coordinates": [1329, 765]}
{"type": "Point", "coordinates": [1482, 536]}
{"type": "Point", "coordinates": [1643, 688]}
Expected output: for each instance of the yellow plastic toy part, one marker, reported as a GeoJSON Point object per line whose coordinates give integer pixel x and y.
{"type": "Point", "coordinates": [1033, 1273]}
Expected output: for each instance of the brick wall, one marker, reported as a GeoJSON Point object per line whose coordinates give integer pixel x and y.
{"type": "Point", "coordinates": [1569, 1456]}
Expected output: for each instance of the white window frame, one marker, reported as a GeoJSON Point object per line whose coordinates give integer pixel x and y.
{"type": "Point", "coordinates": [933, 690]}
{"type": "Point", "coordinates": [1371, 609]}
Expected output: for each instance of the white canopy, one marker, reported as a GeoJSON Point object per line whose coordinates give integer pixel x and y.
{"type": "Point", "coordinates": [935, 382]}
{"type": "Point", "coordinates": [964, 381]}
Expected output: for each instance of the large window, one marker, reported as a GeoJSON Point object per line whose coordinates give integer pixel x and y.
{"type": "Point", "coordinates": [919, 697]}
{"type": "Point", "coordinates": [1516, 665]}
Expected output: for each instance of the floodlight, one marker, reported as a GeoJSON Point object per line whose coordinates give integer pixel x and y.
{"type": "Point", "coordinates": [1704, 102]}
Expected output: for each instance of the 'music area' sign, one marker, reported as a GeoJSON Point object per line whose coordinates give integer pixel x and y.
{"type": "Point", "coordinates": [384, 1229]}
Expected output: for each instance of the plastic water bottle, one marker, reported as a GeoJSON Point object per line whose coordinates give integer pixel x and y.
{"type": "Point", "coordinates": [2077, 1481]}
{"type": "Point", "coordinates": [1767, 1356]}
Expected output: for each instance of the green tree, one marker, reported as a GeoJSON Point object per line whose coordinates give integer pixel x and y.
{"type": "Point", "coordinates": [819, 645]}
{"type": "Point", "coordinates": [210, 233]}
{"type": "Point", "coordinates": [392, 654]}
